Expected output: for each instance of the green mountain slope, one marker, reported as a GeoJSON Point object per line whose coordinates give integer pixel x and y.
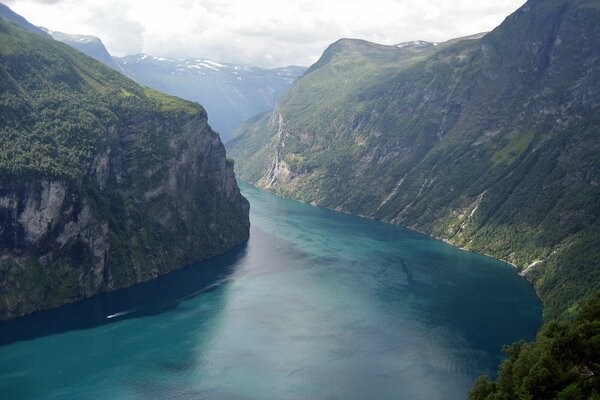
{"type": "Point", "coordinates": [491, 143]}
{"type": "Point", "coordinates": [103, 183]}
{"type": "Point", "coordinates": [10, 15]}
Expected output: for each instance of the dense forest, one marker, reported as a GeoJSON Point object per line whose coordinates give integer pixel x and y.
{"type": "Point", "coordinates": [55, 105]}
{"type": "Point", "coordinates": [563, 363]}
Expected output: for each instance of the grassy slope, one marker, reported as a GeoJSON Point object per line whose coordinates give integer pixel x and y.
{"type": "Point", "coordinates": [492, 144]}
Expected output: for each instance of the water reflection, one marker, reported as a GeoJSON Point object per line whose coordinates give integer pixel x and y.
{"type": "Point", "coordinates": [149, 298]}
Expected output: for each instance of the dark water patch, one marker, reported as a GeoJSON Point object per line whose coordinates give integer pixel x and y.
{"type": "Point", "coordinates": [149, 298]}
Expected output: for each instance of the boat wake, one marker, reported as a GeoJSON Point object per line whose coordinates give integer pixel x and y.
{"type": "Point", "coordinates": [120, 313]}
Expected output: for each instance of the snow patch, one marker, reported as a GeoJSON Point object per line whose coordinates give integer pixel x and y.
{"type": "Point", "coordinates": [214, 64]}
{"type": "Point", "coordinates": [210, 67]}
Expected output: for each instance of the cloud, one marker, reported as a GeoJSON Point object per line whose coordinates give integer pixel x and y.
{"type": "Point", "coordinates": [260, 32]}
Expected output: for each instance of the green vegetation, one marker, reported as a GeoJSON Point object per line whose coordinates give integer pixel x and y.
{"type": "Point", "coordinates": [491, 143]}
{"type": "Point", "coordinates": [562, 362]}
{"type": "Point", "coordinates": [172, 103]}
{"type": "Point", "coordinates": [56, 105]}
{"type": "Point", "coordinates": [103, 183]}
{"type": "Point", "coordinates": [513, 149]}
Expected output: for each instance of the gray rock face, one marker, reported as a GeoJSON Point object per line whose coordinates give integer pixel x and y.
{"type": "Point", "coordinates": [123, 222]}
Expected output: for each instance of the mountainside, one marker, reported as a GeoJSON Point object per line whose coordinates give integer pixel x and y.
{"type": "Point", "coordinates": [7, 13]}
{"type": "Point", "coordinates": [90, 45]}
{"type": "Point", "coordinates": [103, 183]}
{"type": "Point", "coordinates": [491, 143]}
{"type": "Point", "coordinates": [230, 93]}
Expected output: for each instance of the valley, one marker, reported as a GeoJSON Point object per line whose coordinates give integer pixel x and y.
{"type": "Point", "coordinates": [408, 220]}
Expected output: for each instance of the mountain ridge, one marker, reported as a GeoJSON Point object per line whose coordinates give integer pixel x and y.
{"type": "Point", "coordinates": [12, 16]}
{"type": "Point", "coordinates": [230, 96]}
{"type": "Point", "coordinates": [87, 44]}
{"type": "Point", "coordinates": [468, 142]}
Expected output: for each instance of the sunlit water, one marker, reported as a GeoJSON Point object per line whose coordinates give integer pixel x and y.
{"type": "Point", "coordinates": [317, 305]}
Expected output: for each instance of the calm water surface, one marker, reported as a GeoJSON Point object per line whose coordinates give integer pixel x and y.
{"type": "Point", "coordinates": [317, 305]}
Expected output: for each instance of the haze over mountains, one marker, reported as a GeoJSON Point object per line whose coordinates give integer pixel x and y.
{"type": "Point", "coordinates": [12, 16]}
{"type": "Point", "coordinates": [230, 93]}
{"type": "Point", "coordinates": [90, 45]}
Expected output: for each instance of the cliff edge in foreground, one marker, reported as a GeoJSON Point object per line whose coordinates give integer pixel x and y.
{"type": "Point", "coordinates": [103, 183]}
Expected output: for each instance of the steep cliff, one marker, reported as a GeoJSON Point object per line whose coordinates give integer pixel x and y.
{"type": "Point", "coordinates": [103, 183]}
{"type": "Point", "coordinates": [490, 143]}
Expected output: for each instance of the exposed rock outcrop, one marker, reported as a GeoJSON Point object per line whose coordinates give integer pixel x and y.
{"type": "Point", "coordinates": [119, 224]}
{"type": "Point", "coordinates": [103, 183]}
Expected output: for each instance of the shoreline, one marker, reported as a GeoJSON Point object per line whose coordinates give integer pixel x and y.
{"type": "Point", "coordinates": [520, 271]}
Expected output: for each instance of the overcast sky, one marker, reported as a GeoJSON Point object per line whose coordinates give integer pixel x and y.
{"type": "Point", "coordinates": [260, 32]}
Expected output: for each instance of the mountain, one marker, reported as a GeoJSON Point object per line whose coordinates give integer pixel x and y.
{"type": "Point", "coordinates": [491, 143]}
{"type": "Point", "coordinates": [230, 93]}
{"type": "Point", "coordinates": [103, 183]}
{"type": "Point", "coordinates": [10, 15]}
{"type": "Point", "coordinates": [90, 45]}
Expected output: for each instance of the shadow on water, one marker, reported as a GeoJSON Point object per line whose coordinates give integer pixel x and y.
{"type": "Point", "coordinates": [149, 298]}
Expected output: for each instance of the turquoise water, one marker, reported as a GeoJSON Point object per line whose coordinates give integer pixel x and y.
{"type": "Point", "coordinates": [317, 305]}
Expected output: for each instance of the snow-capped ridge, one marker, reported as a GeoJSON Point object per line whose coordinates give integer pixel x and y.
{"type": "Point", "coordinates": [416, 44]}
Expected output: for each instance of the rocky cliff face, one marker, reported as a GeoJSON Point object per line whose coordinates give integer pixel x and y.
{"type": "Point", "coordinates": [121, 223]}
{"type": "Point", "coordinates": [489, 142]}
{"type": "Point", "coordinates": [103, 183]}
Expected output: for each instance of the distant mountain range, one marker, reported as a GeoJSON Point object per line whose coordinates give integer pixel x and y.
{"type": "Point", "coordinates": [230, 93]}
{"type": "Point", "coordinates": [490, 142]}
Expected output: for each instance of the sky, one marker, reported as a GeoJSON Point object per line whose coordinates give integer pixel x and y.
{"type": "Point", "coordinates": [266, 33]}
